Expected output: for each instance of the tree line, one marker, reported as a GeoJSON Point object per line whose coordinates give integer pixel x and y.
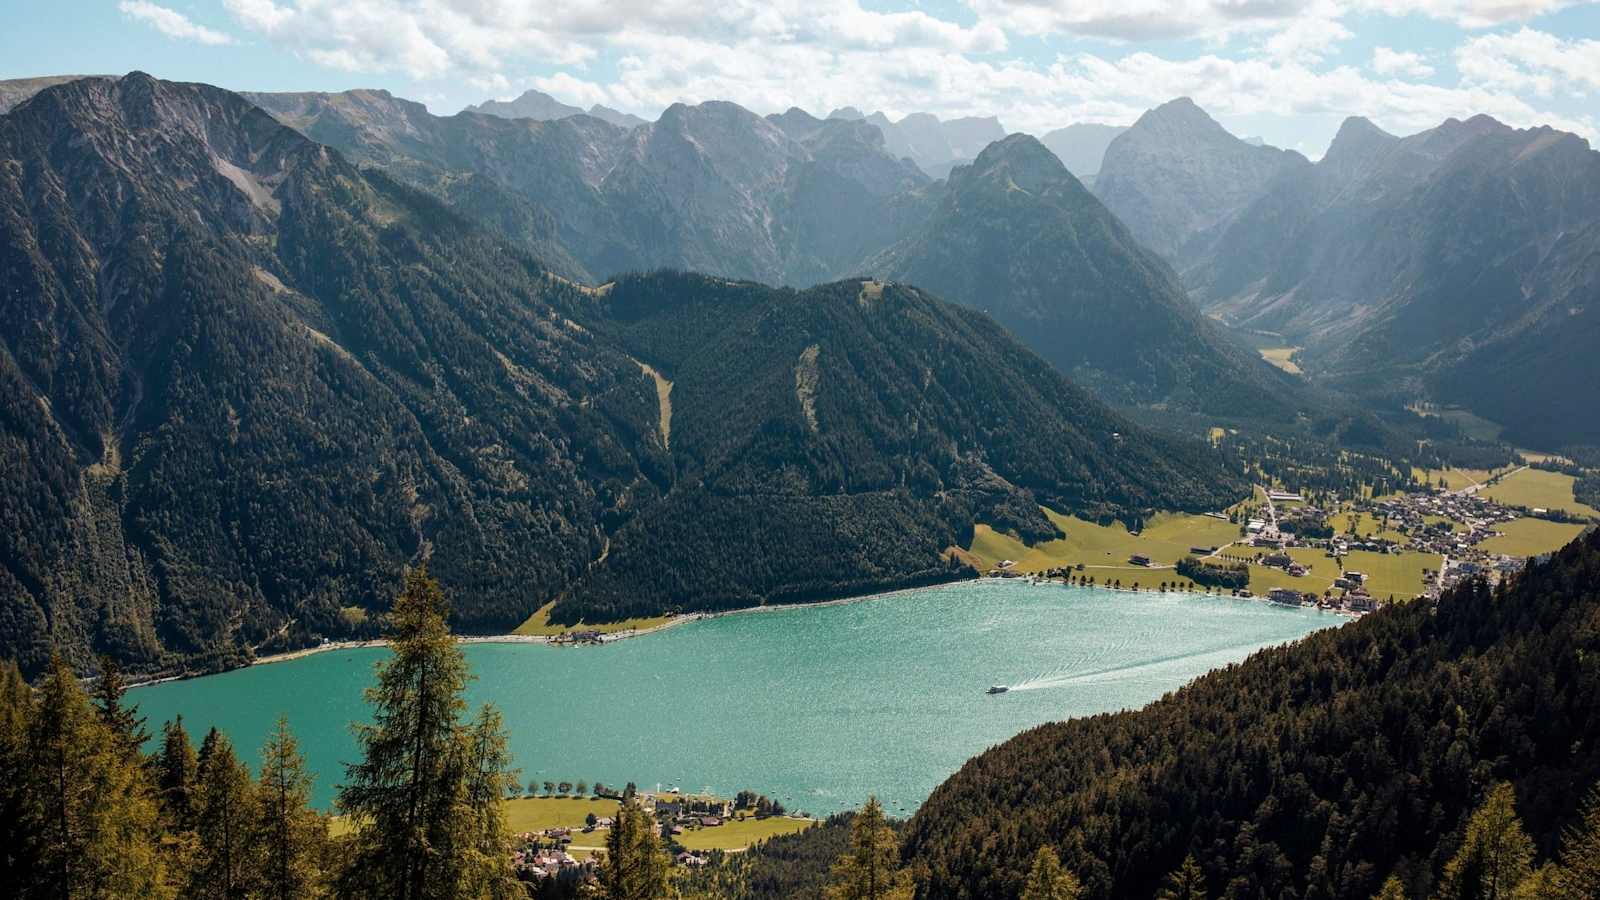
{"type": "Point", "coordinates": [86, 812]}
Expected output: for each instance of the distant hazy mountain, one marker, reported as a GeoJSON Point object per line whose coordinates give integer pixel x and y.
{"type": "Point", "coordinates": [1176, 175]}
{"type": "Point", "coordinates": [712, 187]}
{"type": "Point", "coordinates": [935, 146]}
{"type": "Point", "coordinates": [530, 105]}
{"type": "Point", "coordinates": [245, 383]}
{"type": "Point", "coordinates": [1017, 236]}
{"type": "Point", "coordinates": [1458, 264]}
{"type": "Point", "coordinates": [1082, 147]}
{"type": "Point", "coordinates": [542, 107]}
{"type": "Point", "coordinates": [616, 116]}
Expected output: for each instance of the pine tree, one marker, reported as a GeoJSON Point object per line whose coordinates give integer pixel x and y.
{"type": "Point", "coordinates": [123, 720]}
{"type": "Point", "coordinates": [177, 769]}
{"type": "Point", "coordinates": [1578, 875]}
{"type": "Point", "coordinates": [408, 796]}
{"type": "Point", "coordinates": [1392, 889]}
{"type": "Point", "coordinates": [1495, 857]}
{"type": "Point", "coordinates": [290, 836]}
{"type": "Point", "coordinates": [86, 807]}
{"type": "Point", "coordinates": [1048, 881]}
{"type": "Point", "coordinates": [225, 821]}
{"type": "Point", "coordinates": [1187, 882]}
{"type": "Point", "coordinates": [869, 869]}
{"type": "Point", "coordinates": [635, 866]}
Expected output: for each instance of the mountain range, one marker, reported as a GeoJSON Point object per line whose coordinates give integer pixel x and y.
{"type": "Point", "coordinates": [1454, 266]}
{"type": "Point", "coordinates": [247, 382]}
{"type": "Point", "coordinates": [935, 146]}
{"type": "Point", "coordinates": [542, 107]}
{"type": "Point", "coordinates": [1017, 236]}
{"type": "Point", "coordinates": [793, 199]}
{"type": "Point", "coordinates": [712, 187]}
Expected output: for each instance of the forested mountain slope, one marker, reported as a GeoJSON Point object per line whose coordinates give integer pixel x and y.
{"type": "Point", "coordinates": [1312, 770]}
{"type": "Point", "coordinates": [812, 418]}
{"type": "Point", "coordinates": [1017, 236]}
{"type": "Point", "coordinates": [245, 384]}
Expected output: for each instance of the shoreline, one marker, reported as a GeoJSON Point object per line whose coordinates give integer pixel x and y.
{"type": "Point", "coordinates": [674, 621]}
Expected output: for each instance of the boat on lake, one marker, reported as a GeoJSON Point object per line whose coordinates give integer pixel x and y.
{"type": "Point", "coordinates": [998, 689]}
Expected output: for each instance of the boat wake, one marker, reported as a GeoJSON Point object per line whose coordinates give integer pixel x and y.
{"type": "Point", "coordinates": [1063, 677]}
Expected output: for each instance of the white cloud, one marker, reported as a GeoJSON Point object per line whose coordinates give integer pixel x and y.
{"type": "Point", "coordinates": [1388, 61]}
{"type": "Point", "coordinates": [1262, 58]}
{"type": "Point", "coordinates": [1469, 13]}
{"type": "Point", "coordinates": [1138, 20]}
{"type": "Point", "coordinates": [172, 23]}
{"type": "Point", "coordinates": [432, 38]}
{"type": "Point", "coordinates": [573, 90]}
{"type": "Point", "coordinates": [1531, 61]}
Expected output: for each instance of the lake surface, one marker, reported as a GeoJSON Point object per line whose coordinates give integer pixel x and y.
{"type": "Point", "coordinates": [816, 706]}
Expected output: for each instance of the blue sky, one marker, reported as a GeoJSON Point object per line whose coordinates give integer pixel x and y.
{"type": "Point", "coordinates": [1286, 70]}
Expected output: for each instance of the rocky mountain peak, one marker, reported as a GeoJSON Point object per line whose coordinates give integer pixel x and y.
{"type": "Point", "coordinates": [1358, 142]}
{"type": "Point", "coordinates": [1019, 158]}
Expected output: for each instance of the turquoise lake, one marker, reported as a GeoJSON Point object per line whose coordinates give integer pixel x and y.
{"type": "Point", "coordinates": [816, 706]}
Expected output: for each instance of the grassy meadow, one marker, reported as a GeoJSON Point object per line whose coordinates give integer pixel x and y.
{"type": "Point", "coordinates": [1538, 488]}
{"type": "Point", "coordinates": [539, 624]}
{"type": "Point", "coordinates": [1530, 537]}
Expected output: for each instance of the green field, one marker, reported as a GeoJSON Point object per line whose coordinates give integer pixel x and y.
{"type": "Point", "coordinates": [1166, 539]}
{"type": "Point", "coordinates": [539, 624]}
{"type": "Point", "coordinates": [1366, 526]}
{"type": "Point", "coordinates": [1454, 479]}
{"type": "Point", "coordinates": [1530, 537]}
{"type": "Point", "coordinates": [539, 813]}
{"type": "Point", "coordinates": [1399, 575]}
{"type": "Point", "coordinates": [737, 834]}
{"type": "Point", "coordinates": [1537, 488]}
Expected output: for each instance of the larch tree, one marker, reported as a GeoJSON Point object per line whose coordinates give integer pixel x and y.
{"type": "Point", "coordinates": [489, 778]}
{"type": "Point", "coordinates": [1392, 889]}
{"type": "Point", "coordinates": [1187, 882]}
{"type": "Point", "coordinates": [870, 867]}
{"type": "Point", "coordinates": [290, 836]}
{"type": "Point", "coordinates": [81, 844]}
{"type": "Point", "coordinates": [1047, 880]}
{"type": "Point", "coordinates": [415, 824]}
{"type": "Point", "coordinates": [225, 821]}
{"type": "Point", "coordinates": [1496, 855]}
{"type": "Point", "coordinates": [1577, 876]}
